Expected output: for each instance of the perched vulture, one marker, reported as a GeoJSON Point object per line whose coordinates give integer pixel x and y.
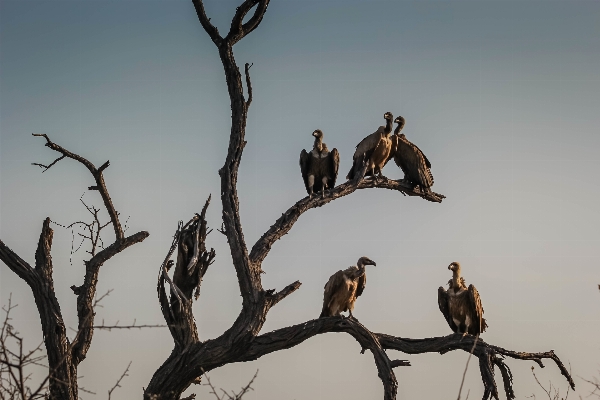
{"type": "Point", "coordinates": [344, 287]}
{"type": "Point", "coordinates": [375, 149]}
{"type": "Point", "coordinates": [412, 161]}
{"type": "Point", "coordinates": [460, 305]}
{"type": "Point", "coordinates": [319, 167]}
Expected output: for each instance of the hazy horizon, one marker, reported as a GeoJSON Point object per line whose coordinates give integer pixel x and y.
{"type": "Point", "coordinates": [502, 96]}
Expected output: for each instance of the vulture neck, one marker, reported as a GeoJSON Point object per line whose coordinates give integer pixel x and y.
{"type": "Point", "coordinates": [318, 146]}
{"type": "Point", "coordinates": [456, 282]}
{"type": "Point", "coordinates": [398, 129]}
{"type": "Point", "coordinates": [361, 269]}
{"type": "Point", "coordinates": [388, 127]}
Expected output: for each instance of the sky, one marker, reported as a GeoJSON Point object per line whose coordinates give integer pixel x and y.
{"type": "Point", "coordinates": [502, 96]}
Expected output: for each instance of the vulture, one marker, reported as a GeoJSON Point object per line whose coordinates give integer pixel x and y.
{"type": "Point", "coordinates": [460, 305]}
{"type": "Point", "coordinates": [319, 167]}
{"type": "Point", "coordinates": [375, 149]}
{"type": "Point", "coordinates": [344, 287]}
{"type": "Point", "coordinates": [410, 159]}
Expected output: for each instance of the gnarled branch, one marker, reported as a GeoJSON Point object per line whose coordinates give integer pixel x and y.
{"type": "Point", "coordinates": [96, 173]}
{"type": "Point", "coordinates": [238, 30]}
{"type": "Point", "coordinates": [282, 226]}
{"type": "Point", "coordinates": [212, 31]}
{"type": "Point", "coordinates": [489, 355]}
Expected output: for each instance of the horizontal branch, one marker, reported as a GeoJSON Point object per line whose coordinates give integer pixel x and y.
{"type": "Point", "coordinates": [282, 226]}
{"type": "Point", "coordinates": [289, 337]}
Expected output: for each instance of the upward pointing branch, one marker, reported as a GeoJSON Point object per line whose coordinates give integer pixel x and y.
{"type": "Point", "coordinates": [98, 177]}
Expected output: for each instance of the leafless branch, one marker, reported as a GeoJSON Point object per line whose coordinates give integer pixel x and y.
{"type": "Point", "coordinates": [284, 224]}
{"type": "Point", "coordinates": [467, 366]}
{"type": "Point", "coordinates": [226, 395]}
{"type": "Point", "coordinates": [553, 393]}
{"type": "Point", "coordinates": [248, 84]}
{"type": "Point", "coordinates": [98, 177]}
{"type": "Point", "coordinates": [133, 325]}
{"type": "Point", "coordinates": [212, 31]}
{"type": "Point", "coordinates": [118, 384]}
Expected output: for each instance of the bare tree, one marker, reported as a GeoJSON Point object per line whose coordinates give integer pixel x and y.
{"type": "Point", "coordinates": [64, 355]}
{"type": "Point", "coordinates": [191, 357]}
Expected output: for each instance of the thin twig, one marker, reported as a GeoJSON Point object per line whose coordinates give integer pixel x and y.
{"type": "Point", "coordinates": [118, 384]}
{"type": "Point", "coordinates": [467, 366]}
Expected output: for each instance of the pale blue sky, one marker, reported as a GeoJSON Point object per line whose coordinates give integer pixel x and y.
{"type": "Point", "coordinates": [502, 96]}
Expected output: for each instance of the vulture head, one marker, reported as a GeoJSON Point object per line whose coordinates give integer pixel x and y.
{"type": "Point", "coordinates": [318, 134]}
{"type": "Point", "coordinates": [388, 116]}
{"type": "Point", "coordinates": [365, 261]}
{"type": "Point", "coordinates": [454, 267]}
{"type": "Point", "coordinates": [400, 121]}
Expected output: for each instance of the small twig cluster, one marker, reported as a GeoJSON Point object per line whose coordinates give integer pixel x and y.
{"type": "Point", "coordinates": [553, 393]}
{"type": "Point", "coordinates": [233, 395]}
{"type": "Point", "coordinates": [14, 364]}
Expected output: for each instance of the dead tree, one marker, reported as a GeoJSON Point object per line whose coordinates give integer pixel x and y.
{"type": "Point", "coordinates": [191, 357]}
{"type": "Point", "coordinates": [64, 355]}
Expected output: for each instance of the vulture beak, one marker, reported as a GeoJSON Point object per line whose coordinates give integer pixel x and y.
{"type": "Point", "coordinates": [314, 133]}
{"type": "Point", "coordinates": [371, 262]}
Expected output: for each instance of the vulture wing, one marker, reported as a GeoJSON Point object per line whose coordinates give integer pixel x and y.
{"type": "Point", "coordinates": [445, 309]}
{"type": "Point", "coordinates": [333, 165]}
{"type": "Point", "coordinates": [366, 147]}
{"type": "Point", "coordinates": [362, 282]}
{"type": "Point", "coordinates": [305, 167]}
{"type": "Point", "coordinates": [413, 163]}
{"type": "Point", "coordinates": [331, 287]}
{"type": "Point", "coordinates": [424, 156]}
{"type": "Point", "coordinates": [368, 144]}
{"type": "Point", "coordinates": [476, 310]}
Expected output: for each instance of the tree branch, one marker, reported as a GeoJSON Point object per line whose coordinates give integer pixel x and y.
{"type": "Point", "coordinates": [238, 30]}
{"type": "Point", "coordinates": [98, 177]}
{"type": "Point", "coordinates": [17, 264]}
{"type": "Point", "coordinates": [212, 31]}
{"type": "Point", "coordinates": [85, 307]}
{"type": "Point", "coordinates": [286, 338]}
{"type": "Point", "coordinates": [282, 226]}
{"type": "Point", "coordinates": [248, 84]}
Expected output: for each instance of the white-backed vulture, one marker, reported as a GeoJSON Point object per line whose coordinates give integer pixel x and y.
{"type": "Point", "coordinates": [410, 159]}
{"type": "Point", "coordinates": [460, 305]}
{"type": "Point", "coordinates": [319, 167]}
{"type": "Point", "coordinates": [344, 287]}
{"type": "Point", "coordinates": [375, 149]}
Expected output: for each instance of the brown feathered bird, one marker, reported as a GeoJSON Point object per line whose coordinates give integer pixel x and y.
{"type": "Point", "coordinates": [410, 159]}
{"type": "Point", "coordinates": [319, 167]}
{"type": "Point", "coordinates": [343, 288]}
{"type": "Point", "coordinates": [375, 149]}
{"type": "Point", "coordinates": [460, 305]}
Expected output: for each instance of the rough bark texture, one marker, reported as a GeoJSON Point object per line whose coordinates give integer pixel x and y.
{"type": "Point", "coordinates": [191, 357]}
{"type": "Point", "coordinates": [64, 356]}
